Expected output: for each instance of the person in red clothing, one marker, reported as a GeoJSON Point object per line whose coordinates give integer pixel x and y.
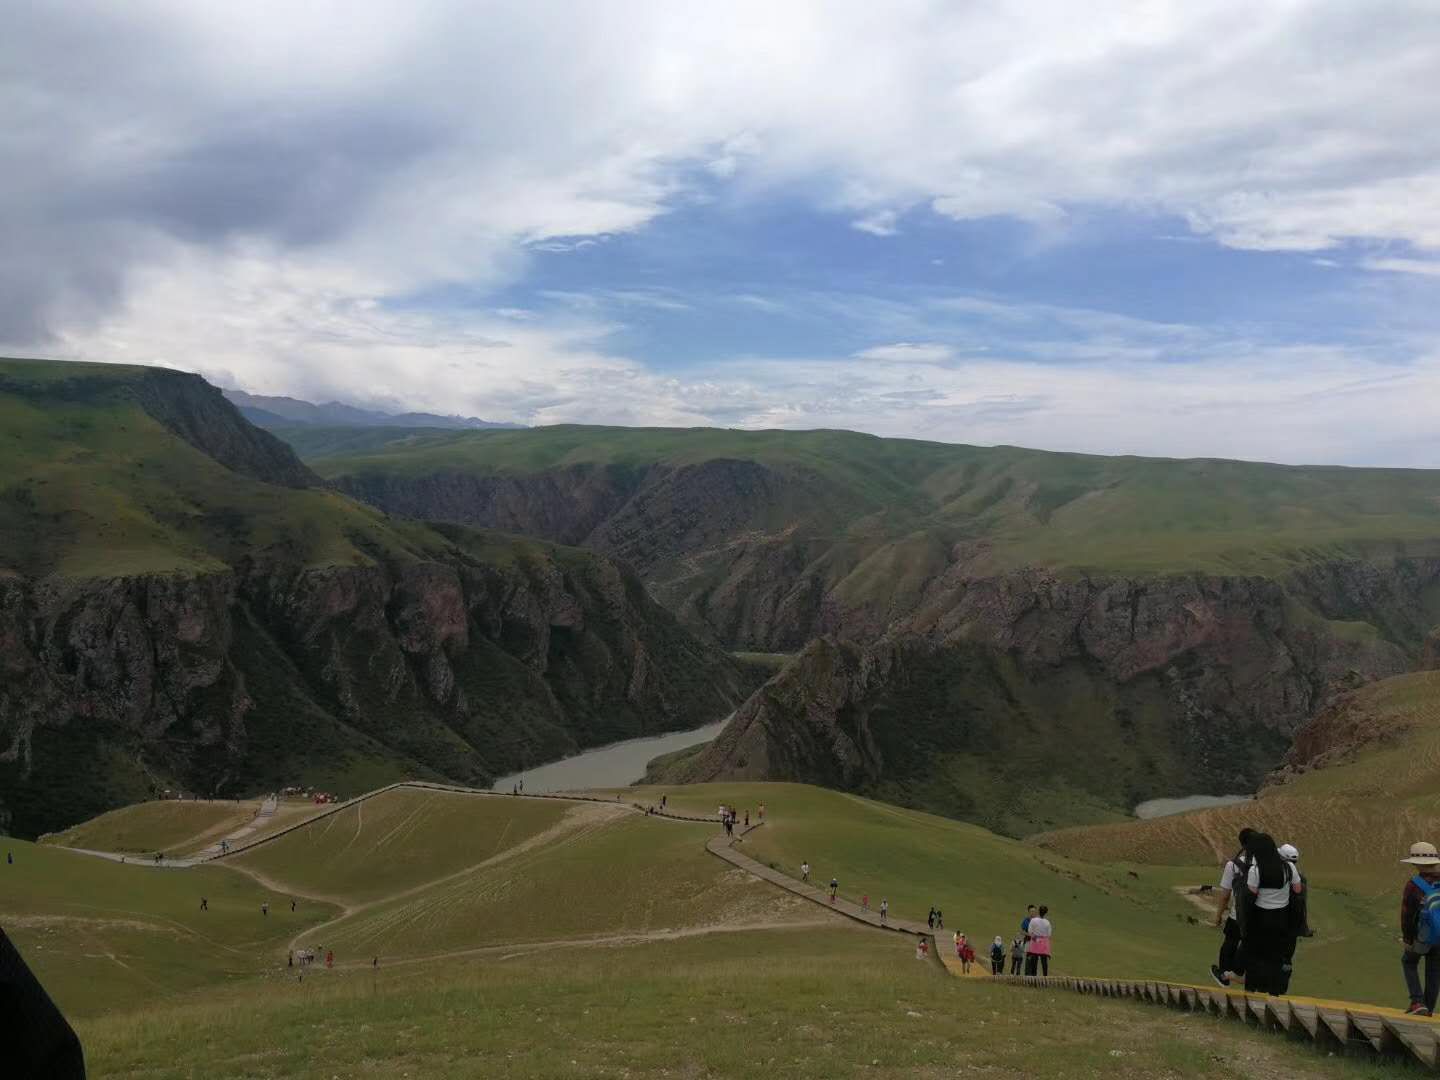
{"type": "Point", "coordinates": [1426, 861]}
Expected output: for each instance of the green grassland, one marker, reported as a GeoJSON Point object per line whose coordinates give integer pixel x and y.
{"type": "Point", "coordinates": [103, 935]}
{"type": "Point", "coordinates": [95, 486]}
{"type": "Point", "coordinates": [834, 1003]}
{"type": "Point", "coordinates": [395, 841]}
{"type": "Point", "coordinates": [172, 826]}
{"type": "Point", "coordinates": [1076, 511]}
{"type": "Point", "coordinates": [534, 939]}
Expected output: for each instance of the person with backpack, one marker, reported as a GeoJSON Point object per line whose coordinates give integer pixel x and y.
{"type": "Point", "coordinates": [1227, 913]}
{"type": "Point", "coordinates": [1270, 885]}
{"type": "Point", "coordinates": [997, 956]}
{"type": "Point", "coordinates": [1420, 928]}
{"type": "Point", "coordinates": [1017, 955]}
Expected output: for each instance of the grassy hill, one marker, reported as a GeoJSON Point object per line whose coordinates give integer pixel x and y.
{"type": "Point", "coordinates": [515, 941]}
{"type": "Point", "coordinates": [1072, 511]}
{"type": "Point", "coordinates": [184, 606]}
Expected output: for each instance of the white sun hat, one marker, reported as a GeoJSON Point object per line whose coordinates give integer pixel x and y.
{"type": "Point", "coordinates": [1423, 854]}
{"type": "Point", "coordinates": [1289, 852]}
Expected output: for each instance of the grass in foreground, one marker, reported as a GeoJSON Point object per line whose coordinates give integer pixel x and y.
{"type": "Point", "coordinates": [837, 1003]}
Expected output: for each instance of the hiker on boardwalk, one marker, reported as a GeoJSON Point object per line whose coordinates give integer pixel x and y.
{"type": "Point", "coordinates": [1017, 955]}
{"type": "Point", "coordinates": [1420, 928]}
{"type": "Point", "coordinates": [939, 919]}
{"type": "Point", "coordinates": [805, 872]}
{"type": "Point", "coordinates": [1265, 922]}
{"type": "Point", "coordinates": [1299, 919]}
{"type": "Point", "coordinates": [762, 811]}
{"type": "Point", "coordinates": [1037, 948]}
{"type": "Point", "coordinates": [834, 885]}
{"type": "Point", "coordinates": [884, 910]}
{"type": "Point", "coordinates": [1228, 911]}
{"type": "Point", "coordinates": [967, 955]}
{"type": "Point", "coordinates": [865, 901]}
{"type": "Point", "coordinates": [930, 919]}
{"type": "Point", "coordinates": [747, 819]}
{"type": "Point", "coordinates": [1025, 922]}
{"type": "Point", "coordinates": [997, 956]}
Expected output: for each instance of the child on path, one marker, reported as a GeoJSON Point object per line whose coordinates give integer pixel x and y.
{"type": "Point", "coordinates": [884, 910]}
{"type": "Point", "coordinates": [1417, 910]}
{"type": "Point", "coordinates": [997, 956]}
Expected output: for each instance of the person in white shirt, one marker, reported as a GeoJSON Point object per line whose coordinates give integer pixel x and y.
{"type": "Point", "coordinates": [1271, 882]}
{"type": "Point", "coordinates": [1232, 876]}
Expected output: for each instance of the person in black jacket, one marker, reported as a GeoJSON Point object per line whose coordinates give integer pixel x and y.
{"type": "Point", "coordinates": [35, 1039]}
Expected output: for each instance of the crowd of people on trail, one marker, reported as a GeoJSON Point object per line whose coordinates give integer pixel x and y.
{"type": "Point", "coordinates": [1262, 908]}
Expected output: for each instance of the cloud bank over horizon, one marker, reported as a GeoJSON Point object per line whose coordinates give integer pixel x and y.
{"type": "Point", "coordinates": [1164, 229]}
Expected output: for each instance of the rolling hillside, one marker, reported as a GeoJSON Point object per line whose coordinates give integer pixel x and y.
{"type": "Point", "coordinates": [481, 932]}
{"type": "Point", "coordinates": [183, 606]}
{"type": "Point", "coordinates": [965, 617]}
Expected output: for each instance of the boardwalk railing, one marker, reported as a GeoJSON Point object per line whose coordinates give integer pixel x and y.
{"type": "Point", "coordinates": [1342, 1027]}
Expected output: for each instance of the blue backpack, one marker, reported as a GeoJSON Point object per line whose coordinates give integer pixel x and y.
{"type": "Point", "coordinates": [1427, 928]}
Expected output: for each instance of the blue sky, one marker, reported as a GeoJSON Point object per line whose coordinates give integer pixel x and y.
{"type": "Point", "coordinates": [1157, 228]}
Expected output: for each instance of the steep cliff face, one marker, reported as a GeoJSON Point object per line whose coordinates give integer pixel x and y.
{"type": "Point", "coordinates": [465, 669]}
{"type": "Point", "coordinates": [180, 606]}
{"type": "Point", "coordinates": [1028, 701]}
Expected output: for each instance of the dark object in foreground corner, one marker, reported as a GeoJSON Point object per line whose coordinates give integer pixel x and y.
{"type": "Point", "coordinates": [35, 1039]}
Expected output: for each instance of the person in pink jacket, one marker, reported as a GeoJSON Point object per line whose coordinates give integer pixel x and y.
{"type": "Point", "coordinates": [1037, 949]}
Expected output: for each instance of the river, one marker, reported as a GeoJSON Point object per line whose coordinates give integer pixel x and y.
{"type": "Point", "coordinates": [1153, 808]}
{"type": "Point", "coordinates": [616, 765]}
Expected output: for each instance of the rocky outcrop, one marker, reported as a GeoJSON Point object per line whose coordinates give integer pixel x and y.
{"type": "Point", "coordinates": [464, 668]}
{"type": "Point", "coordinates": [1189, 683]}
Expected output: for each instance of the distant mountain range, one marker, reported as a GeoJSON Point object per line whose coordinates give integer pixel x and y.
{"type": "Point", "coordinates": [288, 412]}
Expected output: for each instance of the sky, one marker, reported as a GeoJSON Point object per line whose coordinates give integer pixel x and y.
{"type": "Point", "coordinates": [1154, 228]}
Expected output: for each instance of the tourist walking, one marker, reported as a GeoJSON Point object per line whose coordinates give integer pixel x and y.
{"type": "Point", "coordinates": [805, 872]}
{"type": "Point", "coordinates": [204, 904]}
{"type": "Point", "coordinates": [1420, 928]}
{"type": "Point", "coordinates": [1025, 922]}
{"type": "Point", "coordinates": [1017, 955]}
{"type": "Point", "coordinates": [939, 919]}
{"type": "Point", "coordinates": [997, 956]}
{"type": "Point", "coordinates": [864, 901]}
{"type": "Point", "coordinates": [884, 910]}
{"type": "Point", "coordinates": [1265, 924]}
{"type": "Point", "coordinates": [1228, 910]}
{"type": "Point", "coordinates": [265, 908]}
{"type": "Point", "coordinates": [1037, 948]}
{"type": "Point", "coordinates": [833, 886]}
{"type": "Point", "coordinates": [930, 919]}
{"type": "Point", "coordinates": [1299, 919]}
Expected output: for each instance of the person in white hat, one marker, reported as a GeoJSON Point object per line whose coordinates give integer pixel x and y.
{"type": "Point", "coordinates": [1419, 908]}
{"type": "Point", "coordinates": [1300, 919]}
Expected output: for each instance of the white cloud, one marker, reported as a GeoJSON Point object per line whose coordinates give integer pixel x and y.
{"type": "Point", "coordinates": [1197, 393]}
{"type": "Point", "coordinates": [904, 352]}
{"type": "Point", "coordinates": [878, 223]}
{"type": "Point", "coordinates": [1427, 267]}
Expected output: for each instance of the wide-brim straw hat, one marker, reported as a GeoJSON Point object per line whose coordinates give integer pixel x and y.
{"type": "Point", "coordinates": [1423, 854]}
